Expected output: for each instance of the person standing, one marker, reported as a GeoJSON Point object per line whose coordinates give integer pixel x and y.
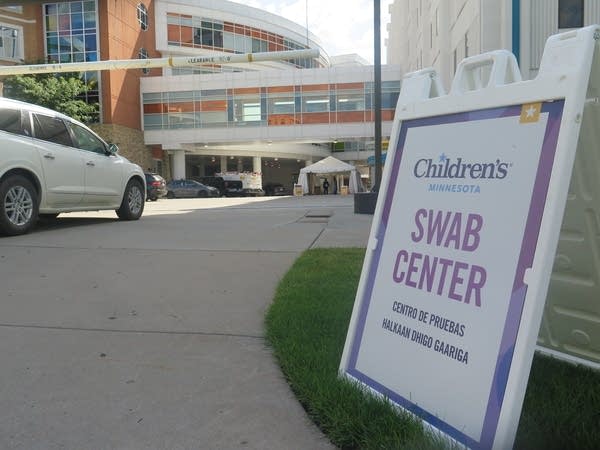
{"type": "Point", "coordinates": [325, 187]}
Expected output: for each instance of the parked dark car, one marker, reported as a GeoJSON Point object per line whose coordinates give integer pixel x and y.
{"type": "Point", "coordinates": [216, 182]}
{"type": "Point", "coordinates": [234, 188]}
{"type": "Point", "coordinates": [227, 188]}
{"type": "Point", "coordinates": [190, 188]}
{"type": "Point", "coordinates": [276, 189]}
{"type": "Point", "coordinates": [156, 187]}
{"type": "Point", "coordinates": [251, 192]}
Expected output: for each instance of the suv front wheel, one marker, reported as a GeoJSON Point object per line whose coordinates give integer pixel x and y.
{"type": "Point", "coordinates": [132, 205]}
{"type": "Point", "coordinates": [18, 205]}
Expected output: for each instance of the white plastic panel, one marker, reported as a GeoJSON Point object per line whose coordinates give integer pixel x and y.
{"type": "Point", "coordinates": [571, 321]}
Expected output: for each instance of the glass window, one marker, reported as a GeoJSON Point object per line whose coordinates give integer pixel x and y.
{"type": "Point", "coordinates": [142, 16]}
{"type": "Point", "coordinates": [390, 91]}
{"type": "Point", "coordinates": [64, 23]}
{"type": "Point", "coordinates": [77, 21]}
{"type": "Point", "coordinates": [14, 9]}
{"type": "Point", "coordinates": [281, 105]}
{"type": "Point", "coordinates": [212, 118]}
{"type": "Point", "coordinates": [10, 121]}
{"type": "Point", "coordinates": [247, 110]}
{"type": "Point", "coordinates": [78, 43]}
{"type": "Point", "coordinates": [10, 46]}
{"type": "Point", "coordinates": [207, 37]}
{"type": "Point", "coordinates": [89, 19]}
{"type": "Point", "coordinates": [181, 120]}
{"type": "Point", "coordinates": [153, 121]}
{"type": "Point", "coordinates": [71, 36]}
{"type": "Point", "coordinates": [570, 13]}
{"type": "Point", "coordinates": [86, 140]}
{"type": "Point", "coordinates": [64, 45]}
{"type": "Point", "coordinates": [350, 101]}
{"type": "Point", "coordinates": [152, 97]}
{"type": "Point", "coordinates": [315, 103]}
{"type": "Point", "coordinates": [243, 44]}
{"type": "Point", "coordinates": [389, 100]}
{"type": "Point", "coordinates": [51, 23]}
{"type": "Point", "coordinates": [212, 93]}
{"type": "Point", "coordinates": [255, 45]}
{"type": "Point", "coordinates": [90, 42]}
{"type": "Point", "coordinates": [179, 96]}
{"type": "Point", "coordinates": [143, 54]}
{"type": "Point", "coordinates": [51, 129]}
{"type": "Point", "coordinates": [228, 40]}
{"type": "Point", "coordinates": [218, 38]}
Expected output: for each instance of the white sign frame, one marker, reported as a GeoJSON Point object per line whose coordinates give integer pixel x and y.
{"type": "Point", "coordinates": [562, 80]}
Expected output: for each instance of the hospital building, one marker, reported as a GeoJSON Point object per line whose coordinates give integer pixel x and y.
{"type": "Point", "coordinates": [270, 117]}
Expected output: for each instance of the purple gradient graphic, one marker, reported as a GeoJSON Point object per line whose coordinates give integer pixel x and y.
{"type": "Point", "coordinates": [512, 321]}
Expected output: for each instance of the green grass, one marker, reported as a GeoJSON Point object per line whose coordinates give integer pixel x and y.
{"type": "Point", "coordinates": [307, 325]}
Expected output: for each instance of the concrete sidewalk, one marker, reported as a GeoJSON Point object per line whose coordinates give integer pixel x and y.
{"type": "Point", "coordinates": [150, 334]}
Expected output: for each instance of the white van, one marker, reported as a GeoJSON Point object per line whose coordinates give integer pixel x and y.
{"type": "Point", "coordinates": [50, 163]}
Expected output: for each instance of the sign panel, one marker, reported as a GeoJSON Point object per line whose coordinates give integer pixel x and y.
{"type": "Point", "coordinates": [444, 292]}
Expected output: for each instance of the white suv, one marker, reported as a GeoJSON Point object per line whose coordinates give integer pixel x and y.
{"type": "Point", "coordinates": [50, 163]}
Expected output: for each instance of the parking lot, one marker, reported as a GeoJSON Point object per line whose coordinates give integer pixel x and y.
{"type": "Point", "coordinates": [149, 334]}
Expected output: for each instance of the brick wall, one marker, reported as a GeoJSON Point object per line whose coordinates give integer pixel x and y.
{"type": "Point", "coordinates": [121, 37]}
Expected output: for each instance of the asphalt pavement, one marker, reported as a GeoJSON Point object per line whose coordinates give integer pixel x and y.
{"type": "Point", "coordinates": [150, 334]}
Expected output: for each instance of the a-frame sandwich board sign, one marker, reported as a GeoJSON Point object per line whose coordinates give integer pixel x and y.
{"type": "Point", "coordinates": [464, 236]}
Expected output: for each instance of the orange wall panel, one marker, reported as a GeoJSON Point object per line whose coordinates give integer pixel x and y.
{"type": "Point", "coordinates": [242, 91]}
{"type": "Point", "coordinates": [288, 89]}
{"type": "Point", "coordinates": [153, 108]}
{"type": "Point", "coordinates": [315, 117]}
{"type": "Point", "coordinates": [187, 35]}
{"type": "Point", "coordinates": [173, 33]}
{"type": "Point", "coordinates": [315, 87]}
{"type": "Point", "coordinates": [213, 105]}
{"type": "Point", "coordinates": [282, 119]}
{"type": "Point", "coordinates": [387, 114]}
{"type": "Point", "coordinates": [341, 86]}
{"type": "Point", "coordinates": [182, 107]}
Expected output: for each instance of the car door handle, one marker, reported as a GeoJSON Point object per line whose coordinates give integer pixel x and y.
{"type": "Point", "coordinates": [49, 156]}
{"type": "Point", "coordinates": [90, 163]}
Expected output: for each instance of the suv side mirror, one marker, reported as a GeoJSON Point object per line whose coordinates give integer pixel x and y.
{"type": "Point", "coordinates": [113, 149]}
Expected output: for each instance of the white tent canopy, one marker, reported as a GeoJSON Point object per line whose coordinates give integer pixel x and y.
{"type": "Point", "coordinates": [331, 166]}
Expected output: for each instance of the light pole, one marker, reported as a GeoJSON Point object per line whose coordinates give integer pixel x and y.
{"type": "Point", "coordinates": [377, 93]}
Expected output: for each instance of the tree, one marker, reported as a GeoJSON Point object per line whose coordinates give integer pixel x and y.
{"type": "Point", "coordinates": [60, 93]}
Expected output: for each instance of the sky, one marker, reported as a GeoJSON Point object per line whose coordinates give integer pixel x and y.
{"type": "Point", "coordinates": [343, 26]}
